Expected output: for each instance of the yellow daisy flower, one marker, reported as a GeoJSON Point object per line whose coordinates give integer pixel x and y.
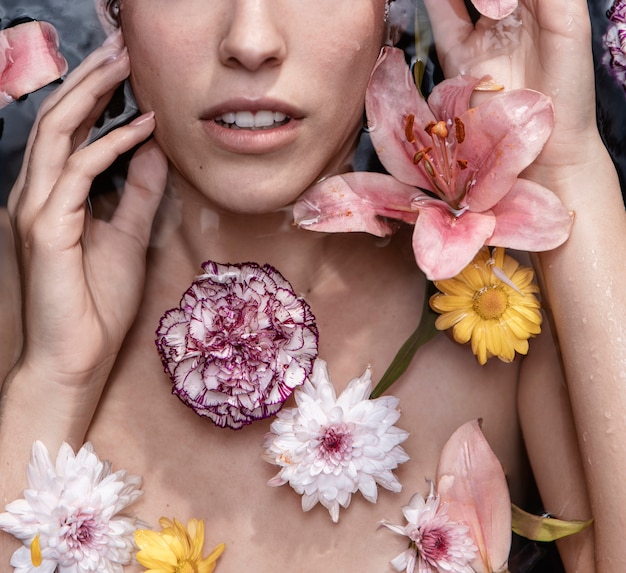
{"type": "Point", "coordinates": [175, 549]}
{"type": "Point", "coordinates": [490, 303]}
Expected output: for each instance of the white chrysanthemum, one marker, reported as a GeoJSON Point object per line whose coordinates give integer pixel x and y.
{"type": "Point", "coordinates": [329, 448]}
{"type": "Point", "coordinates": [436, 544]}
{"type": "Point", "coordinates": [69, 514]}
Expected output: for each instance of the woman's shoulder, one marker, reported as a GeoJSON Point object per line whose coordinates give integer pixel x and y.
{"type": "Point", "coordinates": [10, 313]}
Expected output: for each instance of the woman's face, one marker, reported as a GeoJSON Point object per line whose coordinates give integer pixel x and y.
{"type": "Point", "coordinates": [295, 69]}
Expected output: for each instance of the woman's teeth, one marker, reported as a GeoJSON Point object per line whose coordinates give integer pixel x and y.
{"type": "Point", "coordinates": [250, 120]}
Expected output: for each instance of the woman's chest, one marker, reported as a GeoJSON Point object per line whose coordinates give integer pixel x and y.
{"type": "Point", "coordinates": [192, 468]}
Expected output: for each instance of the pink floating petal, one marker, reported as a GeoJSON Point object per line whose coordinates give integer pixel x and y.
{"type": "Point", "coordinates": [472, 482]}
{"type": "Point", "coordinates": [29, 59]}
{"type": "Point", "coordinates": [495, 9]}
{"type": "Point", "coordinates": [355, 202]}
{"type": "Point", "coordinates": [530, 218]}
{"type": "Point", "coordinates": [444, 244]}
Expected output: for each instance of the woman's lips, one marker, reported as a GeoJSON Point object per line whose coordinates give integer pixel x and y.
{"type": "Point", "coordinates": [255, 130]}
{"type": "Point", "coordinates": [263, 119]}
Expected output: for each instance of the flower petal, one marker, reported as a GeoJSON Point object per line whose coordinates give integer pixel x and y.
{"type": "Point", "coordinates": [445, 244]}
{"type": "Point", "coordinates": [390, 98]}
{"type": "Point", "coordinates": [472, 482]}
{"type": "Point", "coordinates": [29, 59]}
{"type": "Point", "coordinates": [355, 202]}
{"type": "Point", "coordinates": [503, 136]}
{"type": "Point", "coordinates": [530, 218]}
{"type": "Point", "coordinates": [495, 9]}
{"type": "Point", "coordinates": [451, 98]}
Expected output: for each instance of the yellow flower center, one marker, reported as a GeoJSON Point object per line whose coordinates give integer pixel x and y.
{"type": "Point", "coordinates": [490, 302]}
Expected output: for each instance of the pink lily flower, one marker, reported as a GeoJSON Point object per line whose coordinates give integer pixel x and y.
{"type": "Point", "coordinates": [473, 485]}
{"type": "Point", "coordinates": [29, 59]}
{"type": "Point", "coordinates": [495, 9]}
{"type": "Point", "coordinates": [453, 172]}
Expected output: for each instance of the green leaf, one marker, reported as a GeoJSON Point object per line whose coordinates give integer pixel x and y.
{"type": "Point", "coordinates": [538, 528]}
{"type": "Point", "coordinates": [424, 332]}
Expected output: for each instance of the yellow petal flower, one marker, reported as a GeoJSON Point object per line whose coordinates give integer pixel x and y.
{"type": "Point", "coordinates": [491, 304]}
{"type": "Point", "coordinates": [176, 548]}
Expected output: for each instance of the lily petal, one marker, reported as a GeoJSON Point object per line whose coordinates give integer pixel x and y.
{"type": "Point", "coordinates": [29, 59]}
{"type": "Point", "coordinates": [391, 97]}
{"type": "Point", "coordinates": [495, 9]}
{"type": "Point", "coordinates": [355, 202]}
{"type": "Point", "coordinates": [530, 218]}
{"type": "Point", "coordinates": [472, 482]}
{"type": "Point", "coordinates": [503, 136]}
{"type": "Point", "coordinates": [445, 244]}
{"type": "Point", "coordinates": [451, 98]}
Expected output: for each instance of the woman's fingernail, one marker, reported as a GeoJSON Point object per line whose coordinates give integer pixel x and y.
{"type": "Point", "coordinates": [142, 118]}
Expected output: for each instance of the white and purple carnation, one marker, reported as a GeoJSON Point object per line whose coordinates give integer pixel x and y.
{"type": "Point", "coordinates": [239, 344]}
{"type": "Point", "coordinates": [615, 41]}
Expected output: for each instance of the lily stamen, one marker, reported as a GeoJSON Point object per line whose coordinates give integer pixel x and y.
{"type": "Point", "coordinates": [435, 177]}
{"type": "Point", "coordinates": [459, 130]}
{"type": "Point", "coordinates": [408, 128]}
{"type": "Point", "coordinates": [438, 132]}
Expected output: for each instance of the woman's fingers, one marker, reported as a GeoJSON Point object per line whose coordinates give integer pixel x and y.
{"type": "Point", "coordinates": [145, 183]}
{"type": "Point", "coordinates": [99, 59]}
{"type": "Point", "coordinates": [55, 143]}
{"type": "Point", "coordinates": [65, 205]}
{"type": "Point", "coordinates": [450, 23]}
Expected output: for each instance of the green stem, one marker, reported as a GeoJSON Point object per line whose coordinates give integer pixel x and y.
{"type": "Point", "coordinates": [423, 333]}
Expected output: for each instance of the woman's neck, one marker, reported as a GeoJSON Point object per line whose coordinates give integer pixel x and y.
{"type": "Point", "coordinates": [191, 229]}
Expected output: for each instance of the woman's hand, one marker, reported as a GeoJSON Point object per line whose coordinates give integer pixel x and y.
{"type": "Point", "coordinates": [82, 278]}
{"type": "Point", "coordinates": [546, 46]}
{"type": "Point", "coordinates": [550, 51]}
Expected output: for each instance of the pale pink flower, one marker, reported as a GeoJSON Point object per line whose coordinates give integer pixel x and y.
{"type": "Point", "coordinates": [436, 543]}
{"type": "Point", "coordinates": [329, 448]}
{"type": "Point", "coordinates": [615, 41]}
{"type": "Point", "coordinates": [454, 172]}
{"type": "Point", "coordinates": [239, 344]}
{"type": "Point", "coordinates": [464, 525]}
{"type": "Point", "coordinates": [71, 508]}
{"type": "Point", "coordinates": [29, 59]}
{"type": "Point", "coordinates": [495, 9]}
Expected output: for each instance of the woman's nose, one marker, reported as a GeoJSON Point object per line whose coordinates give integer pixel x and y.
{"type": "Point", "coordinates": [253, 37]}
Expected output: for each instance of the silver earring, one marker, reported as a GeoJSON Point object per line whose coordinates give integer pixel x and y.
{"type": "Point", "coordinates": [387, 8]}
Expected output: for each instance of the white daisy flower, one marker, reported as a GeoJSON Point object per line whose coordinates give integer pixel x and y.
{"type": "Point", "coordinates": [329, 448]}
{"type": "Point", "coordinates": [68, 518]}
{"type": "Point", "coordinates": [436, 544]}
